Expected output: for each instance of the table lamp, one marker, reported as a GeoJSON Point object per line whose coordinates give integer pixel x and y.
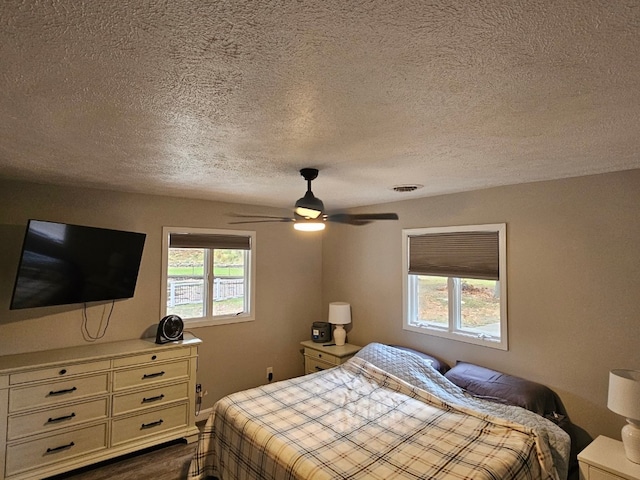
{"type": "Point", "coordinates": [624, 399]}
{"type": "Point", "coordinates": [339, 315]}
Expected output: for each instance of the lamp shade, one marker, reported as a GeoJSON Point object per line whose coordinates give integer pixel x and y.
{"type": "Point", "coordinates": [339, 313]}
{"type": "Point", "coordinates": [624, 393]}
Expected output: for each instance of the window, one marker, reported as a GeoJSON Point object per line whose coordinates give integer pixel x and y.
{"type": "Point", "coordinates": [455, 283]}
{"type": "Point", "coordinates": [208, 275]}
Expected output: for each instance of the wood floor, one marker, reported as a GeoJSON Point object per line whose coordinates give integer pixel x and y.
{"type": "Point", "coordinates": [168, 462]}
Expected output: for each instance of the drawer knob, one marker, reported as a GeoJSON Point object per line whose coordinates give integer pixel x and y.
{"type": "Point", "coordinates": [61, 447]}
{"type": "Point", "coordinates": [63, 371]}
{"type": "Point", "coordinates": [60, 419]}
{"type": "Point", "coordinates": [152, 424]}
{"type": "Point", "coordinates": [154, 357]}
{"type": "Point", "coordinates": [62, 392]}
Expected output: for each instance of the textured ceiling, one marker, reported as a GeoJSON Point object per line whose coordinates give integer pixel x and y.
{"type": "Point", "coordinates": [227, 100]}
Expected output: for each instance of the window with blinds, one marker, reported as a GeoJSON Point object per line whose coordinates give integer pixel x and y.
{"type": "Point", "coordinates": [454, 283]}
{"type": "Point", "coordinates": [208, 275]}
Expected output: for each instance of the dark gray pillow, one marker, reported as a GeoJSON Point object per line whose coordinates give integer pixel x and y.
{"type": "Point", "coordinates": [500, 387]}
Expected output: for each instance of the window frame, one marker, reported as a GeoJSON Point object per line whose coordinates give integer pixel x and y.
{"type": "Point", "coordinates": [452, 331]}
{"type": "Point", "coordinates": [250, 267]}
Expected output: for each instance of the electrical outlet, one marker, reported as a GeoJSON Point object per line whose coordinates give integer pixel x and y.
{"type": "Point", "coordinates": [198, 388]}
{"type": "Point", "coordinates": [269, 373]}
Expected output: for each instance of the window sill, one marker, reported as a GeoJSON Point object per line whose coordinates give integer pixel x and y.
{"type": "Point", "coordinates": [482, 340]}
{"type": "Point", "coordinates": [210, 322]}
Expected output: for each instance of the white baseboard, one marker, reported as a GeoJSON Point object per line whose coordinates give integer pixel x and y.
{"type": "Point", "coordinates": [203, 414]}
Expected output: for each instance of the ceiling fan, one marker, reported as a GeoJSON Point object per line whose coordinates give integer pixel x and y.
{"type": "Point", "coordinates": [308, 213]}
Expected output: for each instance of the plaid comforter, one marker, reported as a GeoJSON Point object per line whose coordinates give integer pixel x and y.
{"type": "Point", "coordinates": [357, 421]}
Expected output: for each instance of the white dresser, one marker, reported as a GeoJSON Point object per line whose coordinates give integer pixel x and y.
{"type": "Point", "coordinates": [68, 408]}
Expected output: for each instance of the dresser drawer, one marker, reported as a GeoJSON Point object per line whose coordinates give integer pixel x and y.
{"type": "Point", "coordinates": [597, 474]}
{"type": "Point", "coordinates": [149, 398]}
{"type": "Point", "coordinates": [151, 357]}
{"type": "Point", "coordinates": [145, 424]}
{"type": "Point", "coordinates": [325, 357]}
{"type": "Point", "coordinates": [55, 448]}
{"type": "Point", "coordinates": [57, 392]}
{"type": "Point", "coordinates": [54, 418]}
{"type": "Point", "coordinates": [150, 374]}
{"type": "Point", "coordinates": [60, 372]}
{"type": "Point", "coordinates": [312, 365]}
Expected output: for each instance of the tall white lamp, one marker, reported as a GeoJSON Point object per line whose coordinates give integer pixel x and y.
{"type": "Point", "coordinates": [339, 315]}
{"type": "Point", "coordinates": [624, 399]}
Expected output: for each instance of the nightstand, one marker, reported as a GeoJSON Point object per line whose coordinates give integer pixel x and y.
{"type": "Point", "coordinates": [604, 459]}
{"type": "Point", "coordinates": [317, 357]}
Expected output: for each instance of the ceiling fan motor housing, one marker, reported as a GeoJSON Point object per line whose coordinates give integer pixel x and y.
{"type": "Point", "coordinates": [309, 173]}
{"type": "Point", "coordinates": [309, 206]}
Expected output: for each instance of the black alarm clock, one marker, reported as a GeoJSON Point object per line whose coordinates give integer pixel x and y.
{"type": "Point", "coordinates": [170, 329]}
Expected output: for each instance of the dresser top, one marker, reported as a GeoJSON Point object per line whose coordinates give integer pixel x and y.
{"type": "Point", "coordinates": [93, 351]}
{"type": "Point", "coordinates": [332, 349]}
{"type": "Point", "coordinates": [608, 454]}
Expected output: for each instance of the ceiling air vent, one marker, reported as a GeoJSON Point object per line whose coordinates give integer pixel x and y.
{"type": "Point", "coordinates": [406, 188]}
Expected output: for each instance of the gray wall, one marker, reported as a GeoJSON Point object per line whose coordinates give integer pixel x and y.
{"type": "Point", "coordinates": [574, 282]}
{"type": "Point", "coordinates": [233, 357]}
{"type": "Point", "coordinates": [574, 278]}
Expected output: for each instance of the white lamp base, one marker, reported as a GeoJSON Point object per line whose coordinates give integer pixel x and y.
{"type": "Point", "coordinates": [339, 335]}
{"type": "Point", "coordinates": [631, 440]}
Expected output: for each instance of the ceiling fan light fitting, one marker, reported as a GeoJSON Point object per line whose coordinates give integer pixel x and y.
{"type": "Point", "coordinates": [308, 213]}
{"type": "Point", "coordinates": [309, 226]}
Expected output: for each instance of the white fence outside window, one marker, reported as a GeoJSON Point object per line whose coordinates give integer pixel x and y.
{"type": "Point", "coordinates": [183, 292]}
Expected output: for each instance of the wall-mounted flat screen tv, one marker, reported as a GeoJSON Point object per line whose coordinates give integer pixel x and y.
{"type": "Point", "coordinates": [63, 264]}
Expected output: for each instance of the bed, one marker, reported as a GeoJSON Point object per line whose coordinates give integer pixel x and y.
{"type": "Point", "coordinates": [387, 413]}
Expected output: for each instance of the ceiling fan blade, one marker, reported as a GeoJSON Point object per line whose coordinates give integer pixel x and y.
{"type": "Point", "coordinates": [258, 219]}
{"type": "Point", "coordinates": [271, 220]}
{"type": "Point", "coordinates": [240, 215]}
{"type": "Point", "coordinates": [360, 218]}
